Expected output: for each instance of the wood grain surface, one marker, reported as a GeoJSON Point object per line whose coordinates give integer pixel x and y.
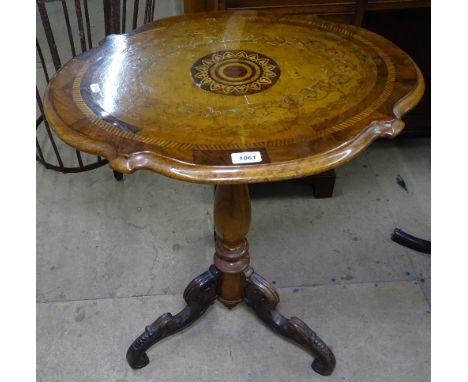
{"type": "Point", "coordinates": [179, 96]}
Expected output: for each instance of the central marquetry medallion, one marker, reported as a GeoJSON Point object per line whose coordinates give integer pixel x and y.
{"type": "Point", "coordinates": [235, 72]}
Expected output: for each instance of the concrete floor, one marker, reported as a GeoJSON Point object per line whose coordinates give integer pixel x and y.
{"type": "Point", "coordinates": [113, 256]}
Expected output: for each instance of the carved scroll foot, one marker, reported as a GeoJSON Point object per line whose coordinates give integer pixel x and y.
{"type": "Point", "coordinates": [263, 298]}
{"type": "Point", "coordinates": [118, 176]}
{"type": "Point", "coordinates": [199, 295]}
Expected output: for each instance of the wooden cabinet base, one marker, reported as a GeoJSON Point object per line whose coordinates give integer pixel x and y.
{"type": "Point", "coordinates": [231, 280]}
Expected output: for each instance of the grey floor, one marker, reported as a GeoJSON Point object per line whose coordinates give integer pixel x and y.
{"type": "Point", "coordinates": [112, 256]}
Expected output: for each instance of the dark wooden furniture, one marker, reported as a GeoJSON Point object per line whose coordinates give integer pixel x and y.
{"type": "Point", "coordinates": [232, 98]}
{"type": "Point", "coordinates": [401, 237]}
{"type": "Point", "coordinates": [410, 29]}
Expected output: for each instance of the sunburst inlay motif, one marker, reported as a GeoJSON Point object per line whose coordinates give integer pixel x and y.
{"type": "Point", "coordinates": [235, 72]}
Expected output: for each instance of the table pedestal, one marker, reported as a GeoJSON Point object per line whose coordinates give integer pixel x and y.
{"type": "Point", "coordinates": [231, 280]}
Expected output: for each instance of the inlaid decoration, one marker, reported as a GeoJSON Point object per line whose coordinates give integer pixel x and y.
{"type": "Point", "coordinates": [182, 95]}
{"type": "Point", "coordinates": [235, 72]}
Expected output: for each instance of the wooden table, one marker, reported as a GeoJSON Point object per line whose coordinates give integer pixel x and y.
{"type": "Point", "coordinates": [230, 99]}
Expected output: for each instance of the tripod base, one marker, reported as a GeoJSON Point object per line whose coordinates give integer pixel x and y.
{"type": "Point", "coordinates": [257, 293]}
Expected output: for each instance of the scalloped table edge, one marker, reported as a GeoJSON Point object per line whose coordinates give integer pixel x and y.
{"type": "Point", "coordinates": [129, 163]}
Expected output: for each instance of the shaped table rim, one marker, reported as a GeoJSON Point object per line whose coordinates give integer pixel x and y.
{"type": "Point", "coordinates": [237, 174]}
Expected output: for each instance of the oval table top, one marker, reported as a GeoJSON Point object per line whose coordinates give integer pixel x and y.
{"type": "Point", "coordinates": [233, 97]}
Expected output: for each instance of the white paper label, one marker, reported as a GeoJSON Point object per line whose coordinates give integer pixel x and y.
{"type": "Point", "coordinates": [95, 88]}
{"type": "Point", "coordinates": [246, 157]}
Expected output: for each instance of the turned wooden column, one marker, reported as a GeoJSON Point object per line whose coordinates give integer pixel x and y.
{"type": "Point", "coordinates": [232, 221]}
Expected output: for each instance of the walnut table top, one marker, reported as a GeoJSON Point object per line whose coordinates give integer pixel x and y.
{"type": "Point", "coordinates": [289, 96]}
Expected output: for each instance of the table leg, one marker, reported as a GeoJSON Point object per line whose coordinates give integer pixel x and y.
{"type": "Point", "coordinates": [199, 295]}
{"type": "Point", "coordinates": [263, 298]}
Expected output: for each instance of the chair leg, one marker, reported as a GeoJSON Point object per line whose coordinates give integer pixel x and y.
{"type": "Point", "coordinates": [118, 176]}
{"type": "Point", "coordinates": [401, 237]}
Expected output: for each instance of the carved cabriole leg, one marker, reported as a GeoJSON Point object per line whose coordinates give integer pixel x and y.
{"type": "Point", "coordinates": [199, 295]}
{"type": "Point", "coordinates": [232, 221]}
{"type": "Point", "coordinates": [263, 298]}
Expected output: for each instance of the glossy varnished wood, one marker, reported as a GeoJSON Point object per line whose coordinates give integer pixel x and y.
{"type": "Point", "coordinates": [198, 295]}
{"type": "Point", "coordinates": [181, 95]}
{"type": "Point", "coordinates": [232, 281]}
{"type": "Point", "coordinates": [238, 281]}
{"type": "Point", "coordinates": [134, 100]}
{"type": "Point", "coordinates": [262, 297]}
{"type": "Point", "coordinates": [232, 222]}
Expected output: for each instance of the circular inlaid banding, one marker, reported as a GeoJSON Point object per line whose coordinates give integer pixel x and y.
{"type": "Point", "coordinates": [134, 99]}
{"type": "Point", "coordinates": [235, 72]}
